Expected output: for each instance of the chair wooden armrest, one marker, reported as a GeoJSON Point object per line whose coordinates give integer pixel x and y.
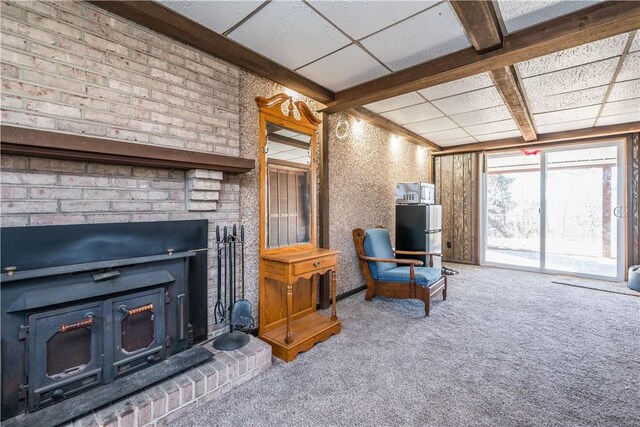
{"type": "Point", "coordinates": [415, 262]}
{"type": "Point", "coordinates": [416, 253]}
{"type": "Point", "coordinates": [431, 254]}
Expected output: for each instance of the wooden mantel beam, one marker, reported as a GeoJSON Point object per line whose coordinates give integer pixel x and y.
{"type": "Point", "coordinates": [545, 138]}
{"type": "Point", "coordinates": [56, 145]}
{"type": "Point", "coordinates": [480, 22]}
{"type": "Point", "coordinates": [597, 22]}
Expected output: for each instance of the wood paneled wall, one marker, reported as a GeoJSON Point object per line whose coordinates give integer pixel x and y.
{"type": "Point", "coordinates": [457, 189]}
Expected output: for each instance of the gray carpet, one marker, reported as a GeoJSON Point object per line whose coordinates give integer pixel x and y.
{"type": "Point", "coordinates": [507, 349]}
{"type": "Point", "coordinates": [596, 285]}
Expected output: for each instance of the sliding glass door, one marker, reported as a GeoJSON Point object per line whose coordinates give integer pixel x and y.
{"type": "Point", "coordinates": [581, 196]}
{"type": "Point", "coordinates": [556, 211]}
{"type": "Point", "coordinates": [513, 210]}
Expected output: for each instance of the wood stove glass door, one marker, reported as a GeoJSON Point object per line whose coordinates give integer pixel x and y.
{"type": "Point", "coordinates": [65, 353]}
{"type": "Point", "coordinates": [138, 331]}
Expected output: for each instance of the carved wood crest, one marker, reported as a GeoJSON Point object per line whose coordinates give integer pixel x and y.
{"type": "Point", "coordinates": [283, 105]}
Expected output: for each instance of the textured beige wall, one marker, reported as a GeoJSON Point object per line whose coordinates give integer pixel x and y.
{"type": "Point", "coordinates": [363, 169]}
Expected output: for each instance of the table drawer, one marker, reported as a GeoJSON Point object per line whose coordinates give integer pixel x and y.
{"type": "Point", "coordinates": [312, 265]}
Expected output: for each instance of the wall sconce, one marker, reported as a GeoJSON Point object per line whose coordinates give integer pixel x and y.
{"type": "Point", "coordinates": [356, 127]}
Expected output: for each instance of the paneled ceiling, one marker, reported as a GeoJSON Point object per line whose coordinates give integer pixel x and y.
{"type": "Point", "coordinates": [339, 44]}
{"type": "Point", "coordinates": [590, 85]}
{"type": "Point", "coordinates": [459, 112]}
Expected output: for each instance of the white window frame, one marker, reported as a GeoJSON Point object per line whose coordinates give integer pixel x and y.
{"type": "Point", "coordinates": [621, 221]}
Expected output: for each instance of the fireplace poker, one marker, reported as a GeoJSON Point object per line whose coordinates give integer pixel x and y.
{"type": "Point", "coordinates": [235, 267]}
{"type": "Point", "coordinates": [232, 294]}
{"type": "Point", "coordinates": [242, 256]}
{"type": "Point", "coordinates": [219, 307]}
{"type": "Point", "coordinates": [225, 244]}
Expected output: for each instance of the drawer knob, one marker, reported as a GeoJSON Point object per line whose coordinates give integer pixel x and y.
{"type": "Point", "coordinates": [316, 264]}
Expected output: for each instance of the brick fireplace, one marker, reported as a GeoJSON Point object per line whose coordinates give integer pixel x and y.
{"type": "Point", "coordinates": [71, 68]}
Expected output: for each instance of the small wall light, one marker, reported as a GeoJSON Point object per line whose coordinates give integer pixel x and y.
{"type": "Point", "coordinates": [356, 127]}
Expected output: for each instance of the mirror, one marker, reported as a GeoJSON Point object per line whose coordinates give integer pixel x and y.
{"type": "Point", "coordinates": [287, 174]}
{"type": "Point", "coordinates": [288, 157]}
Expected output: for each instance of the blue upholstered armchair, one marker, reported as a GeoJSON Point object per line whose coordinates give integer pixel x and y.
{"type": "Point", "coordinates": [393, 277]}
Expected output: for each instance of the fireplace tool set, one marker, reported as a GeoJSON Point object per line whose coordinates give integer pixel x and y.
{"type": "Point", "coordinates": [227, 307]}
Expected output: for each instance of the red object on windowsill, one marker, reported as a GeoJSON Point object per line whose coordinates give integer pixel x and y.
{"type": "Point", "coordinates": [530, 152]}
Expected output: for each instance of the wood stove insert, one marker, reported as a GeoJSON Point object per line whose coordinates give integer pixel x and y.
{"type": "Point", "coordinates": [67, 329]}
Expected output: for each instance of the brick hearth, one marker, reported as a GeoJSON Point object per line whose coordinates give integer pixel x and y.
{"type": "Point", "coordinates": [160, 404]}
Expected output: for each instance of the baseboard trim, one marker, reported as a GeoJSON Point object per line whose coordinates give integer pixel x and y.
{"type": "Point", "coordinates": [345, 295]}
{"type": "Point", "coordinates": [351, 292]}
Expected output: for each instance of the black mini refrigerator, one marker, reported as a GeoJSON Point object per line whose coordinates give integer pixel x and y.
{"type": "Point", "coordinates": [419, 228]}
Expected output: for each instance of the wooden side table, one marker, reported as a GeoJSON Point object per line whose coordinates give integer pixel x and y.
{"type": "Point", "coordinates": [300, 327]}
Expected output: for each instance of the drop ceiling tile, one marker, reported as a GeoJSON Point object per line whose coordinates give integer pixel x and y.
{"type": "Point", "coordinates": [621, 107]}
{"type": "Point", "coordinates": [487, 115]}
{"type": "Point", "coordinates": [630, 68]}
{"type": "Point", "coordinates": [470, 101]}
{"type": "Point", "coordinates": [444, 135]}
{"type": "Point", "coordinates": [620, 118]}
{"type": "Point", "coordinates": [573, 114]}
{"type": "Point", "coordinates": [362, 67]}
{"type": "Point", "coordinates": [434, 125]}
{"type": "Point", "coordinates": [522, 14]}
{"type": "Point", "coordinates": [543, 103]}
{"type": "Point", "coordinates": [501, 126]}
{"type": "Point", "coordinates": [428, 35]}
{"type": "Point", "coordinates": [361, 18]}
{"type": "Point", "coordinates": [396, 102]}
{"type": "Point", "coordinates": [455, 87]}
{"type": "Point", "coordinates": [499, 135]}
{"type": "Point", "coordinates": [559, 127]}
{"type": "Point", "coordinates": [572, 79]}
{"type": "Point", "coordinates": [218, 16]}
{"type": "Point", "coordinates": [457, 141]}
{"type": "Point", "coordinates": [625, 90]}
{"type": "Point", "coordinates": [580, 55]}
{"type": "Point", "coordinates": [289, 33]}
{"type": "Point", "coordinates": [415, 113]}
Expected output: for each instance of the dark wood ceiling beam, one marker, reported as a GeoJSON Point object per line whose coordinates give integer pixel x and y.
{"type": "Point", "coordinates": [545, 138]}
{"type": "Point", "coordinates": [165, 21]}
{"type": "Point", "coordinates": [480, 22]}
{"type": "Point", "coordinates": [508, 85]}
{"type": "Point", "coordinates": [394, 128]}
{"type": "Point", "coordinates": [597, 22]}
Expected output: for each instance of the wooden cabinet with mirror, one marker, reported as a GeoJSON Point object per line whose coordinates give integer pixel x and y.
{"type": "Point", "coordinates": [290, 260]}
